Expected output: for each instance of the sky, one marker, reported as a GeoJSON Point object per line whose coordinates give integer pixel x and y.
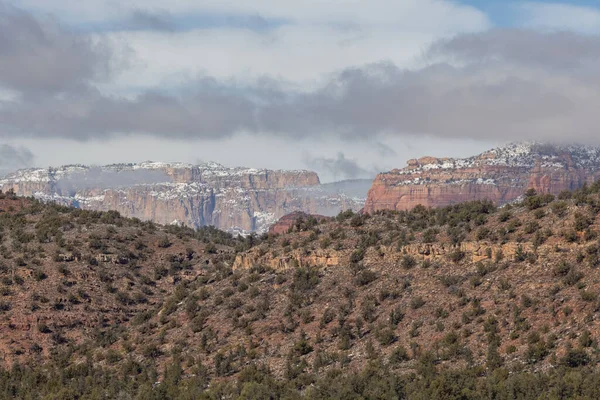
{"type": "Point", "coordinates": [347, 88]}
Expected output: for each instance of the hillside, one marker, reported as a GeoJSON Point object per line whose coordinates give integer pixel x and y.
{"type": "Point", "coordinates": [238, 200]}
{"type": "Point", "coordinates": [70, 275]}
{"type": "Point", "coordinates": [501, 175]}
{"type": "Point", "coordinates": [454, 302]}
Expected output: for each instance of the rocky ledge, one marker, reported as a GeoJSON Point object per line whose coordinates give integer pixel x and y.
{"type": "Point", "coordinates": [501, 175]}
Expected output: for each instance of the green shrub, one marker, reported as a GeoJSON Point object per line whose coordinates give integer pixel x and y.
{"type": "Point", "coordinates": [408, 262]}
{"type": "Point", "coordinates": [164, 242]}
{"type": "Point", "coordinates": [456, 256]}
{"type": "Point", "coordinates": [417, 302]}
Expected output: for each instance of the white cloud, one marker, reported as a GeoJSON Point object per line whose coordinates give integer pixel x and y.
{"type": "Point", "coordinates": [320, 37]}
{"type": "Point", "coordinates": [416, 15]}
{"type": "Point", "coordinates": [295, 54]}
{"type": "Point", "coordinates": [561, 17]}
{"type": "Point", "coordinates": [302, 52]}
{"type": "Point", "coordinates": [7, 95]}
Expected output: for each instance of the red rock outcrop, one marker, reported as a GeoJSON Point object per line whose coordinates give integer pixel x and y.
{"type": "Point", "coordinates": [284, 223]}
{"type": "Point", "coordinates": [500, 175]}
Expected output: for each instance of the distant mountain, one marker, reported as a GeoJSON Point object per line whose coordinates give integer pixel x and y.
{"type": "Point", "coordinates": [238, 200]}
{"type": "Point", "coordinates": [501, 174]}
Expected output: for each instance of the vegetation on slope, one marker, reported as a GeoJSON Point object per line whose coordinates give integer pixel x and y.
{"type": "Point", "coordinates": [467, 301]}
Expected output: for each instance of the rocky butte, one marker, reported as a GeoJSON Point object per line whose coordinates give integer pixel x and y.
{"type": "Point", "coordinates": [501, 175]}
{"type": "Point", "coordinates": [238, 200]}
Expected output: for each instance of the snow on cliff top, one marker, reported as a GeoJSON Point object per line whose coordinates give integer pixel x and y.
{"type": "Point", "coordinates": [206, 170]}
{"type": "Point", "coordinates": [528, 153]}
{"type": "Point", "coordinates": [517, 154]}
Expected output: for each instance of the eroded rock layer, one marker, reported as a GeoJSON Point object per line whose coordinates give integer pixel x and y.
{"type": "Point", "coordinates": [500, 175]}
{"type": "Point", "coordinates": [238, 200]}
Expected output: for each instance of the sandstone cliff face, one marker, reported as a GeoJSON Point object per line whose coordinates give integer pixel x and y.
{"type": "Point", "coordinates": [474, 251]}
{"type": "Point", "coordinates": [501, 175]}
{"type": "Point", "coordinates": [239, 200]}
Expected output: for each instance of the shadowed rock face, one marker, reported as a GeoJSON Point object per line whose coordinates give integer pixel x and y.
{"type": "Point", "coordinates": [238, 200]}
{"type": "Point", "coordinates": [501, 175]}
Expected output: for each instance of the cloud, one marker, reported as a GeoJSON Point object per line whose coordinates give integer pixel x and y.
{"type": "Point", "coordinates": [484, 87]}
{"type": "Point", "coordinates": [96, 177]}
{"type": "Point", "coordinates": [301, 55]}
{"type": "Point", "coordinates": [488, 85]}
{"type": "Point", "coordinates": [13, 158]}
{"type": "Point", "coordinates": [384, 150]}
{"type": "Point", "coordinates": [294, 42]}
{"type": "Point", "coordinates": [420, 15]}
{"type": "Point", "coordinates": [557, 16]}
{"type": "Point", "coordinates": [40, 55]}
{"type": "Point", "coordinates": [548, 50]}
{"type": "Point", "coordinates": [480, 86]}
{"type": "Point", "coordinates": [339, 167]}
{"type": "Point", "coordinates": [209, 111]}
{"type": "Point", "coordinates": [156, 20]}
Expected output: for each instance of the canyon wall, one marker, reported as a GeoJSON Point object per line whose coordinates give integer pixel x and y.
{"type": "Point", "coordinates": [500, 175]}
{"type": "Point", "coordinates": [238, 200]}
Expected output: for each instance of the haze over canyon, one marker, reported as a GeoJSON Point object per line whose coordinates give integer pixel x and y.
{"type": "Point", "coordinates": [245, 200]}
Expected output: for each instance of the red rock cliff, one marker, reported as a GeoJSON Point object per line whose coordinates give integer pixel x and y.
{"type": "Point", "coordinates": [501, 175]}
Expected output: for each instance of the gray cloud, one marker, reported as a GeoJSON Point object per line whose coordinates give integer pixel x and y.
{"type": "Point", "coordinates": [39, 55]}
{"type": "Point", "coordinates": [384, 150]}
{"type": "Point", "coordinates": [440, 100]}
{"type": "Point", "coordinates": [161, 20]}
{"type": "Point", "coordinates": [206, 112]}
{"type": "Point", "coordinates": [252, 22]}
{"type": "Point", "coordinates": [549, 50]}
{"type": "Point", "coordinates": [13, 158]}
{"type": "Point", "coordinates": [100, 178]}
{"type": "Point", "coordinates": [339, 167]}
{"type": "Point", "coordinates": [157, 20]}
{"type": "Point", "coordinates": [505, 84]}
